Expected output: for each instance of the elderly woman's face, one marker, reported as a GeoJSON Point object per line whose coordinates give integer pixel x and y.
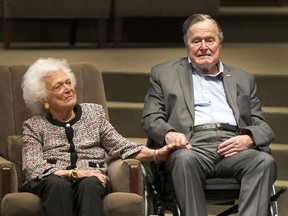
{"type": "Point", "coordinates": [61, 93]}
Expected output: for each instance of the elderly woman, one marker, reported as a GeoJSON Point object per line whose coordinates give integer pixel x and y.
{"type": "Point", "coordinates": [65, 143]}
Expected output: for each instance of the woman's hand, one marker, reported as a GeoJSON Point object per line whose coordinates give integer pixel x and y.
{"type": "Point", "coordinates": [163, 153]}
{"type": "Point", "coordinates": [84, 173]}
{"type": "Point", "coordinates": [88, 173]}
{"type": "Point", "coordinates": [174, 141]}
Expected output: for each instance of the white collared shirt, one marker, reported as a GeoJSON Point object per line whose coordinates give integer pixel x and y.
{"type": "Point", "coordinates": [210, 101]}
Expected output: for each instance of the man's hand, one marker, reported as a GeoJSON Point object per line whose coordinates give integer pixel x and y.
{"type": "Point", "coordinates": [234, 145]}
{"type": "Point", "coordinates": [177, 140]}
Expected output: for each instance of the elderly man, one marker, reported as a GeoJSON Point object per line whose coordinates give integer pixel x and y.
{"type": "Point", "coordinates": [210, 112]}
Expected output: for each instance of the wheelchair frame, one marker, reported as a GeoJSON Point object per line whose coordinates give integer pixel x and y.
{"type": "Point", "coordinates": [157, 203]}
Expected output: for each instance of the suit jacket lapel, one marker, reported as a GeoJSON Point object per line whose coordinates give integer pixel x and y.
{"type": "Point", "coordinates": [229, 83]}
{"type": "Point", "coordinates": [185, 78]}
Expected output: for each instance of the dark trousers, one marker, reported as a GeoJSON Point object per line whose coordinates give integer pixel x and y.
{"type": "Point", "coordinates": [62, 197]}
{"type": "Point", "coordinates": [254, 169]}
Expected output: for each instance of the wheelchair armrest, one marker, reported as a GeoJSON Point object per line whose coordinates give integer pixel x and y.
{"type": "Point", "coordinates": [266, 149]}
{"type": "Point", "coordinates": [125, 175]}
{"type": "Point", "coordinates": [9, 179]}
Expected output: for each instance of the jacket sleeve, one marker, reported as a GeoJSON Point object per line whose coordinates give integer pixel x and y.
{"type": "Point", "coordinates": [154, 119]}
{"type": "Point", "coordinates": [33, 164]}
{"type": "Point", "coordinates": [252, 118]}
{"type": "Point", "coordinates": [114, 143]}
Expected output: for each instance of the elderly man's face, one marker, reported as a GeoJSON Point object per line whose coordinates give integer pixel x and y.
{"type": "Point", "coordinates": [203, 46]}
{"type": "Point", "coordinates": [61, 92]}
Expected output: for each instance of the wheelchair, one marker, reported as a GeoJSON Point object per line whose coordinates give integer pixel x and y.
{"type": "Point", "coordinates": [160, 196]}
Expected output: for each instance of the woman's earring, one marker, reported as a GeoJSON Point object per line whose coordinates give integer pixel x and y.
{"type": "Point", "coordinates": [46, 106]}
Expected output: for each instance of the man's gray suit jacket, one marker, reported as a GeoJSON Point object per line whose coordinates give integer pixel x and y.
{"type": "Point", "coordinates": [169, 102]}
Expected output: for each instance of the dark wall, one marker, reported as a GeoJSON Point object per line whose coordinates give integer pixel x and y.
{"type": "Point", "coordinates": [249, 28]}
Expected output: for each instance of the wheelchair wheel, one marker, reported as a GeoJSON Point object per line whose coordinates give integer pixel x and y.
{"type": "Point", "coordinates": [273, 211]}
{"type": "Point", "coordinates": [176, 211]}
{"type": "Point", "coordinates": [149, 205]}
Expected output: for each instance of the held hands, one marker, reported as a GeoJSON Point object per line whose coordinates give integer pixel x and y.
{"type": "Point", "coordinates": [174, 141]}
{"type": "Point", "coordinates": [177, 140]}
{"type": "Point", "coordinates": [162, 154]}
{"type": "Point", "coordinates": [234, 145]}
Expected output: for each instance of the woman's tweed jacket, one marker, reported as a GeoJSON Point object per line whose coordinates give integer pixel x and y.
{"type": "Point", "coordinates": [47, 146]}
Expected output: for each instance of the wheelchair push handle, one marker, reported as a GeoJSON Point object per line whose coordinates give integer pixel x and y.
{"type": "Point", "coordinates": [278, 194]}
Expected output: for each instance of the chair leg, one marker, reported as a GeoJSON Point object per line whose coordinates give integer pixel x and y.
{"type": "Point", "coordinates": [102, 32]}
{"type": "Point", "coordinates": [73, 32]}
{"type": "Point", "coordinates": [6, 33]}
{"type": "Point", "coordinates": [117, 31]}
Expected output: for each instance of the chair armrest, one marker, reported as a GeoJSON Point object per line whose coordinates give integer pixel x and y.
{"type": "Point", "coordinates": [8, 180]}
{"type": "Point", "coordinates": [126, 175]}
{"type": "Point", "coordinates": [15, 156]}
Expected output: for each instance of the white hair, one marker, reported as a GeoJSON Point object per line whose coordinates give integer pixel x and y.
{"type": "Point", "coordinates": [196, 18]}
{"type": "Point", "coordinates": [33, 85]}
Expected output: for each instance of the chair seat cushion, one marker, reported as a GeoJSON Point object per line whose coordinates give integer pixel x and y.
{"type": "Point", "coordinates": [223, 188]}
{"type": "Point", "coordinates": [115, 204]}
{"type": "Point", "coordinates": [222, 183]}
{"type": "Point", "coordinates": [123, 204]}
{"type": "Point", "coordinates": [19, 204]}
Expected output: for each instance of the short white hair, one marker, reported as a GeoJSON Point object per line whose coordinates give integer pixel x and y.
{"type": "Point", "coordinates": [33, 85]}
{"type": "Point", "coordinates": [196, 18]}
